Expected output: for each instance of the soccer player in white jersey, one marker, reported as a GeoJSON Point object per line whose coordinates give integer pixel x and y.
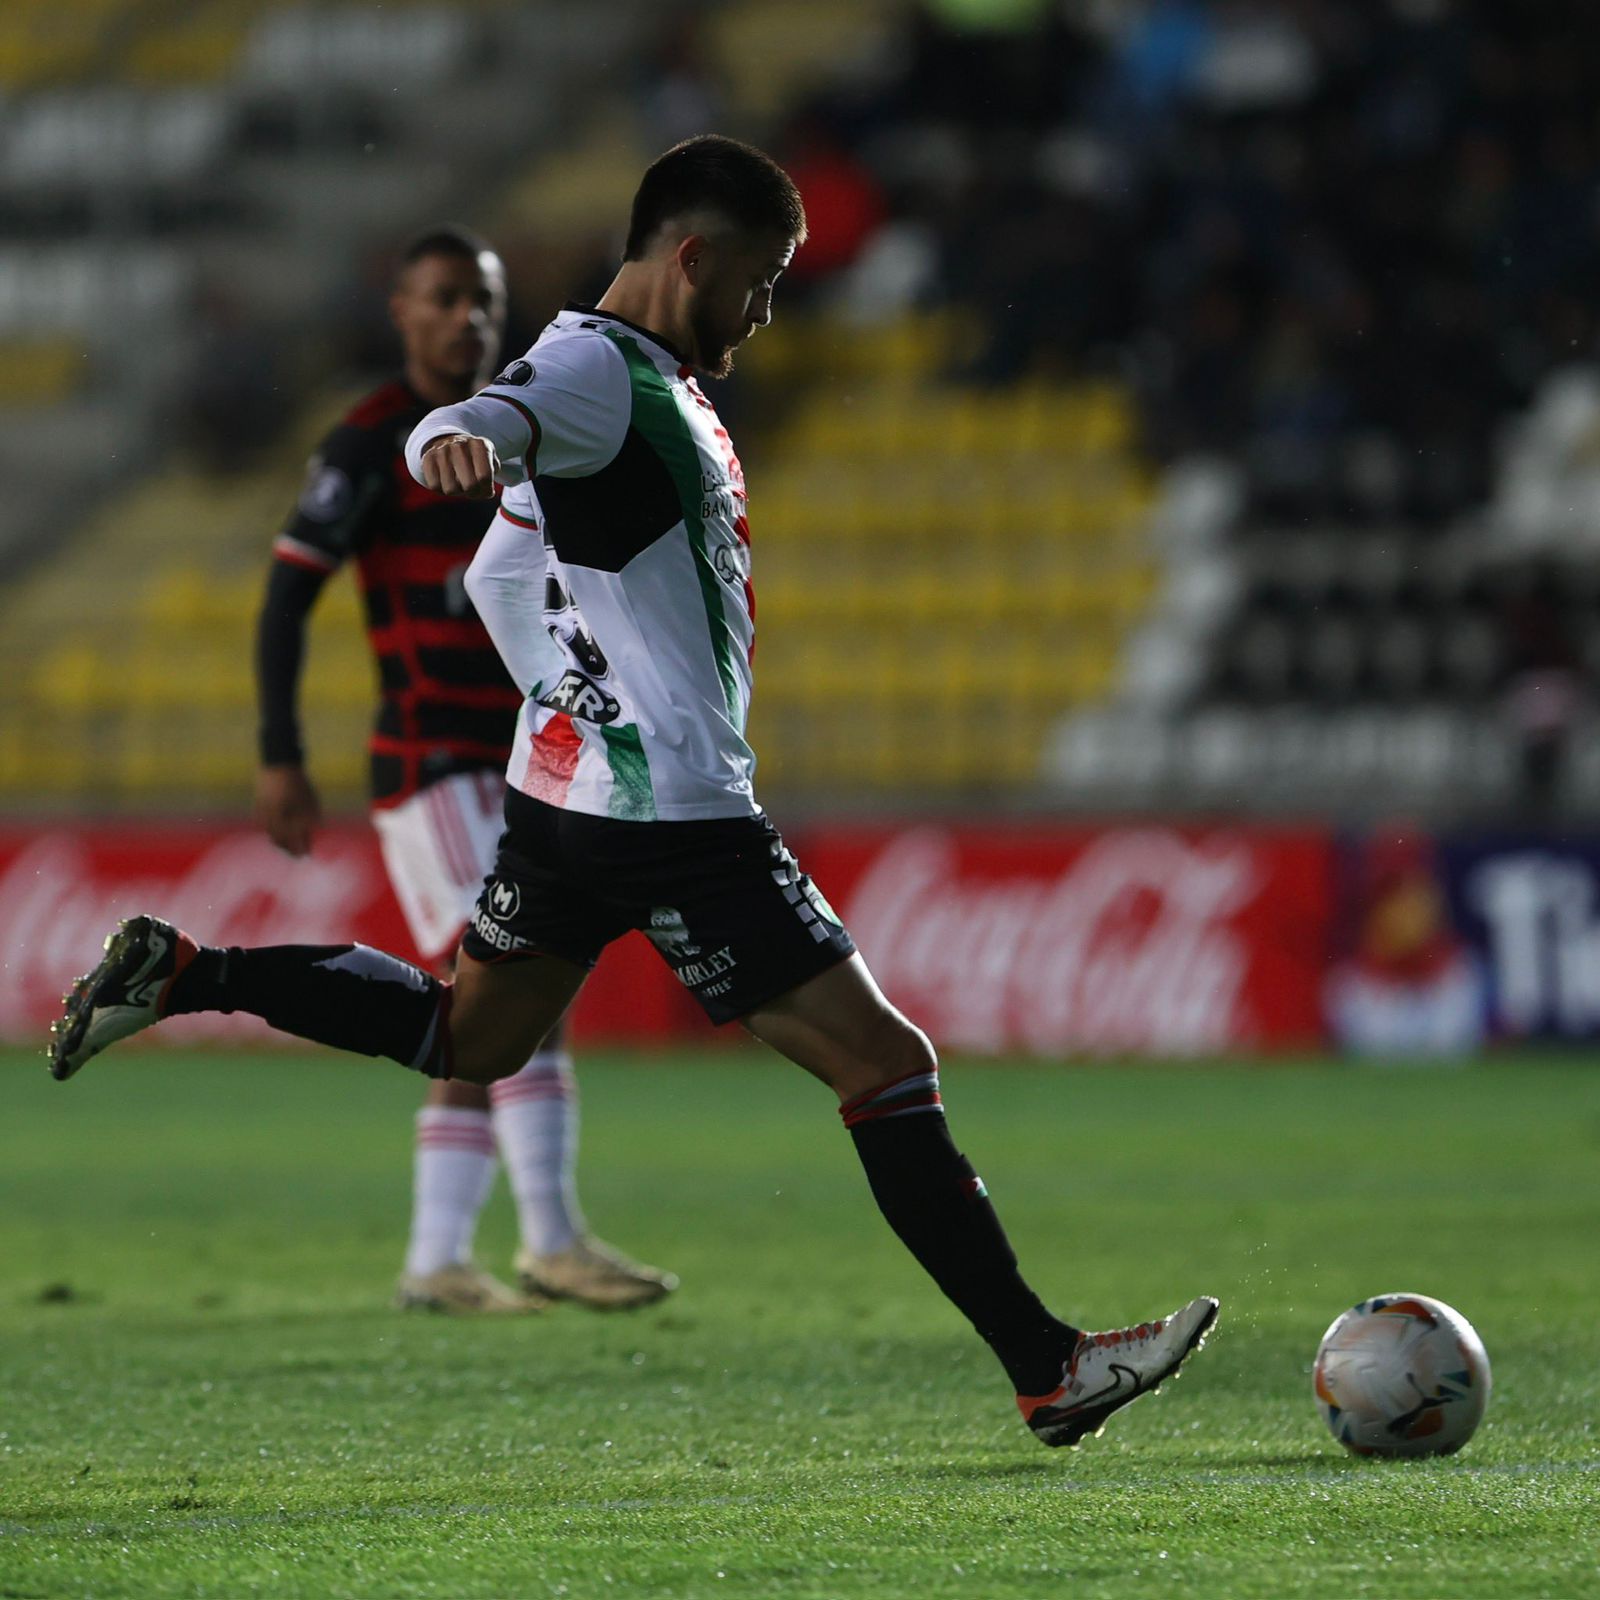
{"type": "Point", "coordinates": [437, 751]}
{"type": "Point", "coordinates": [629, 800]}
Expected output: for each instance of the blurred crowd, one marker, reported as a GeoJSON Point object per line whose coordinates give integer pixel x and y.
{"type": "Point", "coordinates": [1334, 238]}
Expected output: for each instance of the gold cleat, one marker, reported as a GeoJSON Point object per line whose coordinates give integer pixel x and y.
{"type": "Point", "coordinates": [463, 1290]}
{"type": "Point", "coordinates": [593, 1274]}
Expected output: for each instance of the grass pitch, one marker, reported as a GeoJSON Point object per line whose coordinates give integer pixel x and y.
{"type": "Point", "coordinates": [203, 1393]}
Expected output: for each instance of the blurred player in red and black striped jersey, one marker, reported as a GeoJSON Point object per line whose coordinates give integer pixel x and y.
{"type": "Point", "coordinates": [438, 752]}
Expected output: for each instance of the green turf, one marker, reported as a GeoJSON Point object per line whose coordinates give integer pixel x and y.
{"type": "Point", "coordinates": [202, 1393]}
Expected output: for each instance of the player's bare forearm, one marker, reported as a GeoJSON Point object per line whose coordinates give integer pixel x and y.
{"type": "Point", "coordinates": [460, 465]}
{"type": "Point", "coordinates": [287, 807]}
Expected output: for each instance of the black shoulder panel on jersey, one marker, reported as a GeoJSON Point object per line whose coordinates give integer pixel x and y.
{"type": "Point", "coordinates": [605, 520]}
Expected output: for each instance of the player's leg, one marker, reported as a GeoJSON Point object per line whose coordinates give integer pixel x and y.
{"type": "Point", "coordinates": [521, 964]}
{"type": "Point", "coordinates": [437, 845]}
{"type": "Point", "coordinates": [536, 1127]}
{"type": "Point", "coordinates": [452, 1171]}
{"type": "Point", "coordinates": [531, 1117]}
{"type": "Point", "coordinates": [750, 935]}
{"type": "Point", "coordinates": [349, 996]}
{"type": "Point", "coordinates": [840, 1028]}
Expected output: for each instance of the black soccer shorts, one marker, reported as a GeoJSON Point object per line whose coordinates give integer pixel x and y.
{"type": "Point", "coordinates": [722, 900]}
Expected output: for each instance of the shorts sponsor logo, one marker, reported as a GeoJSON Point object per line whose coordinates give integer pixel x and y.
{"type": "Point", "coordinates": [518, 375]}
{"type": "Point", "coordinates": [493, 935]}
{"type": "Point", "coordinates": [505, 900]}
{"type": "Point", "coordinates": [692, 974]}
{"type": "Point", "coordinates": [669, 934]}
{"type": "Point", "coordinates": [578, 697]}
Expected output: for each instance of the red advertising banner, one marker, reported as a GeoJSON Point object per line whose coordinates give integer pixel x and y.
{"type": "Point", "coordinates": [1053, 941]}
{"type": "Point", "coordinates": [63, 888]}
{"type": "Point", "coordinates": [1036, 940]}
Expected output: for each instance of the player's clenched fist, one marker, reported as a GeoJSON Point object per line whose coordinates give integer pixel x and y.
{"type": "Point", "coordinates": [459, 464]}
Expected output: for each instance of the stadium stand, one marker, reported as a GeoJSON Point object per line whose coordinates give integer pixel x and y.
{"type": "Point", "coordinates": [175, 167]}
{"type": "Point", "coordinates": [1101, 454]}
{"type": "Point", "coordinates": [964, 569]}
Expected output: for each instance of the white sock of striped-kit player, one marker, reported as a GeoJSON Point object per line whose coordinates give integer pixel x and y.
{"type": "Point", "coordinates": [535, 1114]}
{"type": "Point", "coordinates": [359, 999]}
{"type": "Point", "coordinates": [452, 1173]}
{"type": "Point", "coordinates": [533, 1124]}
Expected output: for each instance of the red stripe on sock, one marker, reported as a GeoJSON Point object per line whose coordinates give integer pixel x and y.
{"type": "Point", "coordinates": [527, 1091]}
{"type": "Point", "coordinates": [851, 1106]}
{"type": "Point", "coordinates": [186, 952]}
{"type": "Point", "coordinates": [875, 1113]}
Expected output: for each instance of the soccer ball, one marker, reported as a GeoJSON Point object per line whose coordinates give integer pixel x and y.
{"type": "Point", "coordinates": [1401, 1375]}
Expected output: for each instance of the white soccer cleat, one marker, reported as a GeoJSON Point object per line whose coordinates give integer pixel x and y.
{"type": "Point", "coordinates": [593, 1274]}
{"type": "Point", "coordinates": [1110, 1370]}
{"type": "Point", "coordinates": [463, 1290]}
{"type": "Point", "coordinates": [125, 993]}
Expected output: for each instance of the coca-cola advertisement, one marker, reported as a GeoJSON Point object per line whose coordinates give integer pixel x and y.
{"type": "Point", "coordinates": [1039, 940]}
{"type": "Point", "coordinates": [1058, 941]}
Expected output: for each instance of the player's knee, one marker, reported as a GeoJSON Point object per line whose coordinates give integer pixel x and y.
{"type": "Point", "coordinates": [895, 1049]}
{"type": "Point", "coordinates": [909, 1051]}
{"type": "Point", "coordinates": [481, 1050]}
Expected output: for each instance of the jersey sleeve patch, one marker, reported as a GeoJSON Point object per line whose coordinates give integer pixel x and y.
{"type": "Point", "coordinates": [576, 400]}
{"type": "Point", "coordinates": [327, 493]}
{"type": "Point", "coordinates": [342, 484]}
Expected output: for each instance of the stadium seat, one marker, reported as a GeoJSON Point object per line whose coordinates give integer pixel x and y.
{"type": "Point", "coordinates": [970, 570]}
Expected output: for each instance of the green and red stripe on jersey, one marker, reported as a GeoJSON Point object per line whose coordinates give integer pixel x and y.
{"type": "Point", "coordinates": [552, 760]}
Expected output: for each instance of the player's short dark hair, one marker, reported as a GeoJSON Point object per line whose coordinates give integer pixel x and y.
{"type": "Point", "coordinates": [445, 239]}
{"type": "Point", "coordinates": [746, 185]}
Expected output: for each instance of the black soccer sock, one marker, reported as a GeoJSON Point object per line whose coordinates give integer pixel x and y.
{"type": "Point", "coordinates": [346, 995]}
{"type": "Point", "coordinates": [938, 1205]}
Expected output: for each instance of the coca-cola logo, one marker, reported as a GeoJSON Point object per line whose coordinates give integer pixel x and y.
{"type": "Point", "coordinates": [59, 899]}
{"type": "Point", "coordinates": [1128, 944]}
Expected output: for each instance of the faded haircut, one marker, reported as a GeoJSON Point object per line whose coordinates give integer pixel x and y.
{"type": "Point", "coordinates": [709, 172]}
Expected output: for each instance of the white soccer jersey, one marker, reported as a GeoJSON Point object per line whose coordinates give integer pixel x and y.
{"type": "Point", "coordinates": [643, 574]}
